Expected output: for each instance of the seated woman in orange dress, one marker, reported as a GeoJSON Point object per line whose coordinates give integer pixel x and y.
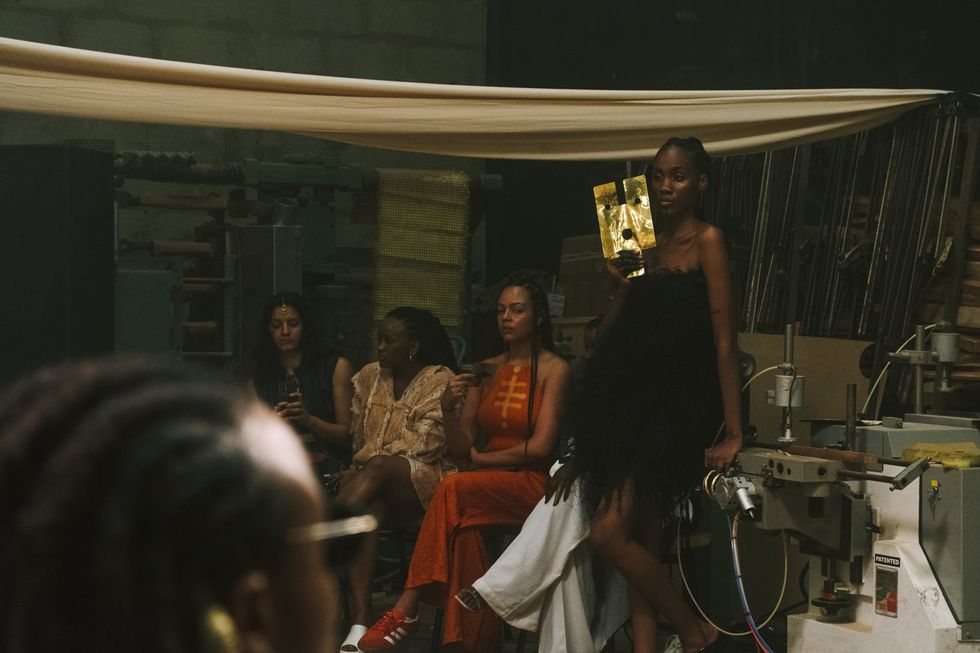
{"type": "Point", "coordinates": [520, 411]}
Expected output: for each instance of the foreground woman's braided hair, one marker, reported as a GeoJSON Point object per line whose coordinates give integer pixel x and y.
{"type": "Point", "coordinates": [128, 505]}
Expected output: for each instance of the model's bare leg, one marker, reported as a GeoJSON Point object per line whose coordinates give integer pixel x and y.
{"type": "Point", "coordinates": [614, 536]}
{"type": "Point", "coordinates": [408, 603]}
{"type": "Point", "coordinates": [385, 487]}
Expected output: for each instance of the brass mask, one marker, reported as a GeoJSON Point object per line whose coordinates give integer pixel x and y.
{"type": "Point", "coordinates": [627, 226]}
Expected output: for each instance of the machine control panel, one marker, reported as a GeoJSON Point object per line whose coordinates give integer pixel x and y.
{"type": "Point", "coordinates": [787, 467]}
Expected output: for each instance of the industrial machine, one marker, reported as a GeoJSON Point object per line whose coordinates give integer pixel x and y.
{"type": "Point", "coordinates": [269, 227]}
{"type": "Point", "coordinates": [354, 240]}
{"type": "Point", "coordinates": [886, 512]}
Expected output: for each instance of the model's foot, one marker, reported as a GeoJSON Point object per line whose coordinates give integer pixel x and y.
{"type": "Point", "coordinates": [393, 626]}
{"type": "Point", "coordinates": [470, 599]}
{"type": "Point", "coordinates": [349, 645]}
{"type": "Point", "coordinates": [699, 640]}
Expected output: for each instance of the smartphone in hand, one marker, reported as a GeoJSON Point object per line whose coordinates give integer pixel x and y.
{"type": "Point", "coordinates": [286, 387]}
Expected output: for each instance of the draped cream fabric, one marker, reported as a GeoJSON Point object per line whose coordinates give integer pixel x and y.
{"type": "Point", "coordinates": [435, 118]}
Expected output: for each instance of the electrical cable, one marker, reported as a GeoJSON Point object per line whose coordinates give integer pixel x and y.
{"type": "Point", "coordinates": [733, 532]}
{"type": "Point", "coordinates": [708, 483]}
{"type": "Point", "coordinates": [758, 374]}
{"type": "Point", "coordinates": [744, 386]}
{"type": "Point", "coordinates": [871, 392]}
{"type": "Point", "coordinates": [697, 606]}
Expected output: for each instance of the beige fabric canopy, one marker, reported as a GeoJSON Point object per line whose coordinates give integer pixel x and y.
{"type": "Point", "coordinates": [473, 121]}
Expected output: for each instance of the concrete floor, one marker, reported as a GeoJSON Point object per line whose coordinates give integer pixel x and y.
{"type": "Point", "coordinates": [420, 641]}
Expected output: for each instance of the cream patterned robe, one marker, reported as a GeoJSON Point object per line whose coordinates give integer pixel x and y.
{"type": "Point", "coordinates": [410, 427]}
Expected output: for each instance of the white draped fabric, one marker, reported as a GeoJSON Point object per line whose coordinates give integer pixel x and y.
{"type": "Point", "coordinates": [477, 121]}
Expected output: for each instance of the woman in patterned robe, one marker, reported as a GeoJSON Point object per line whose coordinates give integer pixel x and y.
{"type": "Point", "coordinates": [398, 437]}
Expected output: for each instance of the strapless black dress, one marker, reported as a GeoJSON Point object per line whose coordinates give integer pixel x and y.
{"type": "Point", "coordinates": [649, 403]}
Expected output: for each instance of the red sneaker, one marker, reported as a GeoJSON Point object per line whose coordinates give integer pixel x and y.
{"type": "Point", "coordinates": [390, 629]}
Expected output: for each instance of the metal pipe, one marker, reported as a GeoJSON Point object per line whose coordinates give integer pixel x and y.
{"type": "Point", "coordinates": [954, 132]}
{"type": "Point", "coordinates": [788, 344]}
{"type": "Point", "coordinates": [962, 236]}
{"type": "Point", "coordinates": [758, 243]}
{"type": "Point", "coordinates": [190, 247]}
{"type": "Point", "coordinates": [218, 280]}
{"type": "Point", "coordinates": [205, 326]}
{"type": "Point", "coordinates": [864, 476]}
{"type": "Point", "coordinates": [796, 240]}
{"type": "Point", "coordinates": [201, 288]}
{"type": "Point", "coordinates": [788, 367]}
{"type": "Point", "coordinates": [850, 431]}
{"type": "Point", "coordinates": [920, 345]}
{"type": "Point", "coordinates": [879, 231]}
{"type": "Point", "coordinates": [841, 230]}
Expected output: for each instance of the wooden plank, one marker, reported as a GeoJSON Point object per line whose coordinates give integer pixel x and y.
{"type": "Point", "coordinates": [969, 316]}
{"type": "Point", "coordinates": [953, 209]}
{"type": "Point", "coordinates": [970, 343]}
{"type": "Point", "coordinates": [970, 293]}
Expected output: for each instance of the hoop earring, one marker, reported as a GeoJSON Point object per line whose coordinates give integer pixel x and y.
{"type": "Point", "coordinates": [219, 632]}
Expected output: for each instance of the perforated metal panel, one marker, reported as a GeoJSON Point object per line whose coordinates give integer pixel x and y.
{"type": "Point", "coordinates": [423, 233]}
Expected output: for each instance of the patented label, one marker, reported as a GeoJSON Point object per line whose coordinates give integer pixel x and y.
{"type": "Point", "coordinates": [886, 585]}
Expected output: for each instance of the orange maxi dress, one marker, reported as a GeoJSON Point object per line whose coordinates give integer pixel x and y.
{"type": "Point", "coordinates": [449, 553]}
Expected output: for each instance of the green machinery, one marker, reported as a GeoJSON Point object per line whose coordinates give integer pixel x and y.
{"type": "Point", "coordinates": [261, 228]}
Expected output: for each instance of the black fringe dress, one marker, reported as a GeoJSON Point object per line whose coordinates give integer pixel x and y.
{"type": "Point", "coordinates": [649, 403]}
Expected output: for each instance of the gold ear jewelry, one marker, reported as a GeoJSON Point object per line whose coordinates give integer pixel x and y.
{"type": "Point", "coordinates": [219, 632]}
{"type": "Point", "coordinates": [283, 309]}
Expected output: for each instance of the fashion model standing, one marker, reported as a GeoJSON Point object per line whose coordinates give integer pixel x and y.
{"type": "Point", "coordinates": [661, 381]}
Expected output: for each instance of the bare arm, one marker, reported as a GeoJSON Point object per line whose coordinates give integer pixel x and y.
{"type": "Point", "coordinates": [461, 430]}
{"type": "Point", "coordinates": [621, 287]}
{"type": "Point", "coordinates": [556, 388]}
{"type": "Point", "coordinates": [715, 265]}
{"type": "Point", "coordinates": [338, 431]}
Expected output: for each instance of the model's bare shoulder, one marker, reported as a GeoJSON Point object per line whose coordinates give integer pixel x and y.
{"type": "Point", "coordinates": [553, 365]}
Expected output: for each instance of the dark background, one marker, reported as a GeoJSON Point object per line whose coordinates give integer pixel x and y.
{"type": "Point", "coordinates": [696, 44]}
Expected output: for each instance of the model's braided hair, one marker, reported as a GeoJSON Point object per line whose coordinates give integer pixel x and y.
{"type": "Point", "coordinates": [127, 507]}
{"type": "Point", "coordinates": [692, 147]}
{"type": "Point", "coordinates": [541, 337]}
{"type": "Point", "coordinates": [425, 328]}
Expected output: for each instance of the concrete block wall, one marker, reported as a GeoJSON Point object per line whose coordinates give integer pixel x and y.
{"type": "Point", "coordinates": [441, 41]}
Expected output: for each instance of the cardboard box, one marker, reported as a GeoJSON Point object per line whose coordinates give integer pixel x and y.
{"type": "Point", "coordinates": [582, 276]}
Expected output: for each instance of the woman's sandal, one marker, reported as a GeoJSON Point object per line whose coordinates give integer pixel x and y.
{"type": "Point", "coordinates": [470, 599]}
